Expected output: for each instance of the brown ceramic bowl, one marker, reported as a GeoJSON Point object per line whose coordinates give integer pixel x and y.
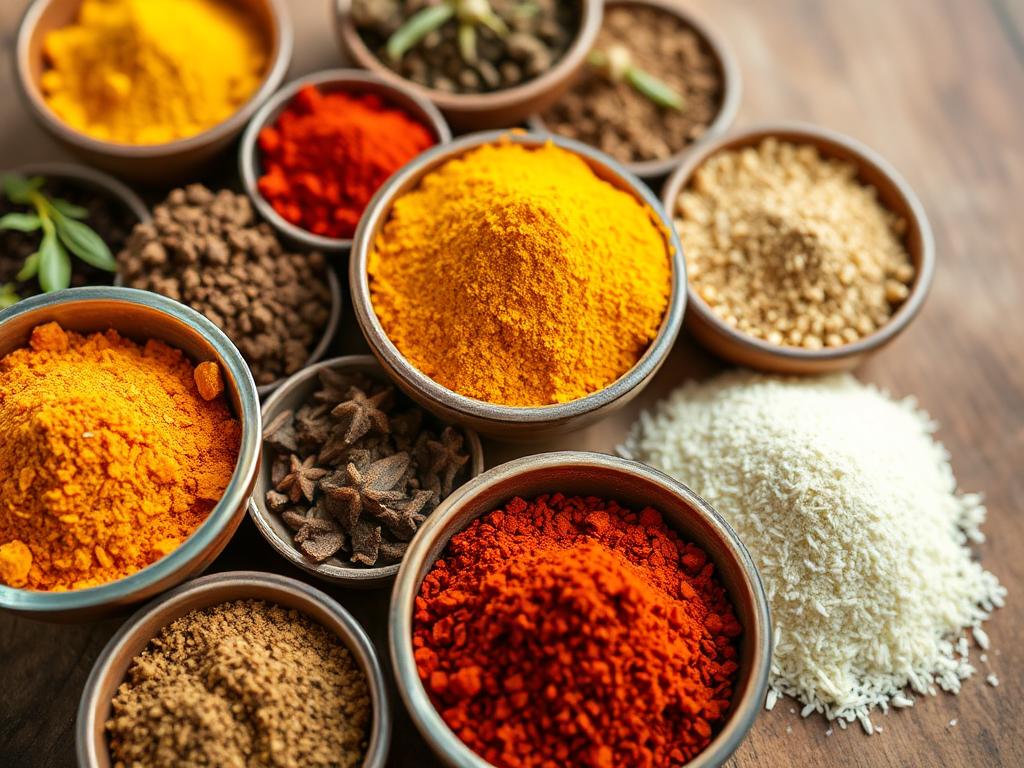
{"type": "Point", "coordinates": [506, 422]}
{"type": "Point", "coordinates": [112, 665]}
{"type": "Point", "coordinates": [347, 80]}
{"type": "Point", "coordinates": [730, 344]}
{"type": "Point", "coordinates": [588, 474]}
{"type": "Point", "coordinates": [155, 163]}
{"type": "Point", "coordinates": [292, 394]}
{"type": "Point", "coordinates": [728, 70]}
{"type": "Point", "coordinates": [479, 111]}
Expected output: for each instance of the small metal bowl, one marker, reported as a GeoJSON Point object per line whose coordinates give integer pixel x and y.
{"type": "Point", "coordinates": [141, 315]}
{"type": "Point", "coordinates": [587, 474]}
{"type": "Point", "coordinates": [112, 665]}
{"type": "Point", "coordinates": [504, 421]}
{"type": "Point", "coordinates": [477, 111]}
{"type": "Point", "coordinates": [292, 394]}
{"type": "Point", "coordinates": [893, 192]}
{"type": "Point", "coordinates": [728, 70]}
{"type": "Point", "coordinates": [151, 163]}
{"type": "Point", "coordinates": [346, 80]}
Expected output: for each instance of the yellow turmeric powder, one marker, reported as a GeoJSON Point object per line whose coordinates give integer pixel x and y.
{"type": "Point", "coordinates": [152, 71]}
{"type": "Point", "coordinates": [110, 457]}
{"type": "Point", "coordinates": [516, 276]}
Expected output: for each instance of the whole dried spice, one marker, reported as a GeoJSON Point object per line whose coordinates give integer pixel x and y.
{"type": "Point", "coordinates": [791, 247]}
{"type": "Point", "coordinates": [245, 683]}
{"type": "Point", "coordinates": [110, 457]}
{"type": "Point", "coordinates": [573, 631]}
{"type": "Point", "coordinates": [207, 250]}
{"type": "Point", "coordinates": [355, 472]}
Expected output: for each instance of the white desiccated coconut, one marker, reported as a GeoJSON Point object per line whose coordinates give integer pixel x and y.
{"type": "Point", "coordinates": [849, 507]}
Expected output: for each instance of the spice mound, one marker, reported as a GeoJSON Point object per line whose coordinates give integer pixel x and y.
{"type": "Point", "coordinates": [357, 469]}
{"type": "Point", "coordinates": [652, 88]}
{"type": "Point", "coordinates": [573, 631]}
{"type": "Point", "coordinates": [152, 71]}
{"type": "Point", "coordinates": [788, 246]}
{"type": "Point", "coordinates": [517, 276]}
{"type": "Point", "coordinates": [207, 250]}
{"type": "Point", "coordinates": [468, 46]}
{"type": "Point", "coordinates": [110, 457]}
{"type": "Point", "coordinates": [328, 153]}
{"type": "Point", "coordinates": [245, 683]}
{"type": "Point", "coordinates": [850, 511]}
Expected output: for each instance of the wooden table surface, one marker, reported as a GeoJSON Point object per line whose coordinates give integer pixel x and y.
{"type": "Point", "coordinates": [937, 87]}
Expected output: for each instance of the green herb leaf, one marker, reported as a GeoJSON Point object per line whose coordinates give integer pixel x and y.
{"type": "Point", "coordinates": [19, 189]}
{"type": "Point", "coordinates": [69, 209]}
{"type": "Point", "coordinates": [54, 263]}
{"type": "Point", "coordinates": [658, 91]}
{"type": "Point", "coordinates": [8, 296]}
{"type": "Point", "coordinates": [419, 25]}
{"type": "Point", "coordinates": [29, 269]}
{"type": "Point", "coordinates": [82, 241]}
{"type": "Point", "coordinates": [467, 43]}
{"type": "Point", "coordinates": [20, 222]}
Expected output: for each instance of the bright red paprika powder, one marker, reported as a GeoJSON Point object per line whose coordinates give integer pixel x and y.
{"type": "Point", "coordinates": [573, 631]}
{"type": "Point", "coordinates": [328, 153]}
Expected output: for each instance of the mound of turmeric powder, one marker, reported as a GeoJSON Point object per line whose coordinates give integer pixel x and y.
{"type": "Point", "coordinates": [110, 457]}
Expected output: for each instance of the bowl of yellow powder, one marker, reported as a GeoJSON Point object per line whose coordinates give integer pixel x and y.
{"type": "Point", "coordinates": [151, 89]}
{"type": "Point", "coordinates": [131, 440]}
{"type": "Point", "coordinates": [518, 284]}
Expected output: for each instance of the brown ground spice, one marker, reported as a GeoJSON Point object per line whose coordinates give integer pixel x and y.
{"type": "Point", "coordinates": [245, 683]}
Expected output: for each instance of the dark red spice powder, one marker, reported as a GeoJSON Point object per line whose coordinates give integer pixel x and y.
{"type": "Point", "coordinates": [328, 153]}
{"type": "Point", "coordinates": [573, 631]}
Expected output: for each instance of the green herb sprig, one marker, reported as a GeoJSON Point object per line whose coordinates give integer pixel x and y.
{"type": "Point", "coordinates": [64, 233]}
{"type": "Point", "coordinates": [617, 65]}
{"type": "Point", "coordinates": [469, 13]}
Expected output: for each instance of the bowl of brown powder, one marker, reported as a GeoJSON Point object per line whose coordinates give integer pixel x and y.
{"type": "Point", "coordinates": [239, 668]}
{"type": "Point", "coordinates": [805, 250]}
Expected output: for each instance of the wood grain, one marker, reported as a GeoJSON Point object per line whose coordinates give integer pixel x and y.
{"type": "Point", "coordinates": [936, 86]}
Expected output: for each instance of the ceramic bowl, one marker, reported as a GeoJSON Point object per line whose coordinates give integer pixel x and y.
{"type": "Point", "coordinates": [893, 192]}
{"type": "Point", "coordinates": [728, 71]}
{"type": "Point", "coordinates": [479, 111]}
{"type": "Point", "coordinates": [346, 80]}
{"type": "Point", "coordinates": [141, 315]}
{"type": "Point", "coordinates": [156, 163]}
{"type": "Point", "coordinates": [292, 394]}
{"type": "Point", "coordinates": [90, 178]}
{"type": "Point", "coordinates": [588, 474]}
{"type": "Point", "coordinates": [112, 665]}
{"type": "Point", "coordinates": [503, 421]}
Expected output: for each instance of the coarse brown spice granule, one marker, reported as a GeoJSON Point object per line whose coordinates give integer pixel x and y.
{"type": "Point", "coordinates": [789, 246]}
{"type": "Point", "coordinates": [244, 683]}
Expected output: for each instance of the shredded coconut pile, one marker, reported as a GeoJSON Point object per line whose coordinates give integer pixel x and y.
{"type": "Point", "coordinates": [849, 507]}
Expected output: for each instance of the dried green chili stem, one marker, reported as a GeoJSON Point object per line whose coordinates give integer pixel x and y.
{"type": "Point", "coordinates": [469, 14]}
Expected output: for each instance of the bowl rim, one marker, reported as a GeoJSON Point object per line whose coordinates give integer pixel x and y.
{"type": "Point", "coordinates": [351, 576]}
{"type": "Point", "coordinates": [338, 80]}
{"type": "Point", "coordinates": [732, 86]}
{"type": "Point", "coordinates": [861, 156]}
{"type": "Point", "coordinates": [90, 177]}
{"type": "Point", "coordinates": [235, 493]}
{"type": "Point", "coordinates": [591, 12]}
{"type": "Point", "coordinates": [426, 717]}
{"type": "Point", "coordinates": [352, 632]}
{"type": "Point", "coordinates": [278, 56]}
{"type": "Point", "coordinates": [394, 361]}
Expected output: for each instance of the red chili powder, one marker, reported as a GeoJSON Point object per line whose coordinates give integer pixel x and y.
{"type": "Point", "coordinates": [328, 153]}
{"type": "Point", "coordinates": [573, 631]}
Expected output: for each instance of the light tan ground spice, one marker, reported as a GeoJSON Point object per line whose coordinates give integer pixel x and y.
{"type": "Point", "coordinates": [789, 247]}
{"type": "Point", "coordinates": [244, 683]}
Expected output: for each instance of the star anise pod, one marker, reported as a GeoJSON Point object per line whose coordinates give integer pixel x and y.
{"type": "Point", "coordinates": [277, 502]}
{"type": "Point", "coordinates": [366, 542]}
{"type": "Point", "coordinates": [405, 427]}
{"type": "Point", "coordinates": [404, 517]}
{"type": "Point", "coordinates": [302, 479]}
{"type": "Point", "coordinates": [280, 433]}
{"type": "Point", "coordinates": [318, 538]}
{"type": "Point", "coordinates": [334, 387]}
{"type": "Point", "coordinates": [391, 552]}
{"type": "Point", "coordinates": [445, 462]}
{"type": "Point", "coordinates": [360, 414]}
{"type": "Point", "coordinates": [312, 425]}
{"type": "Point", "coordinates": [347, 497]}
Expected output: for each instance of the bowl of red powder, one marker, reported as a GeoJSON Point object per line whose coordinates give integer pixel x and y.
{"type": "Point", "coordinates": [579, 609]}
{"type": "Point", "coordinates": [319, 149]}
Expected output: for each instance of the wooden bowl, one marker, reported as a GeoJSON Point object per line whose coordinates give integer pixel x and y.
{"type": "Point", "coordinates": [112, 665]}
{"type": "Point", "coordinates": [292, 394]}
{"type": "Point", "coordinates": [728, 71]}
{"type": "Point", "coordinates": [506, 422]}
{"type": "Point", "coordinates": [587, 474]}
{"type": "Point", "coordinates": [893, 192]}
{"type": "Point", "coordinates": [348, 80]}
{"type": "Point", "coordinates": [478, 111]}
{"type": "Point", "coordinates": [150, 163]}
